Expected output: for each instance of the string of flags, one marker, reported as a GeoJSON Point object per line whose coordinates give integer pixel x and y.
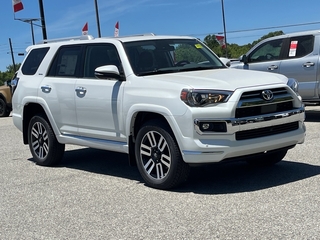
{"type": "Point", "coordinates": [18, 6]}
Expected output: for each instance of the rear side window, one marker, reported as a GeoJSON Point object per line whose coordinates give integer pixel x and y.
{"type": "Point", "coordinates": [34, 60]}
{"type": "Point", "coordinates": [300, 46]}
{"type": "Point", "coordinates": [66, 62]}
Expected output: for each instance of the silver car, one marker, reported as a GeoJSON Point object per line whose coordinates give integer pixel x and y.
{"type": "Point", "coordinates": [294, 55]}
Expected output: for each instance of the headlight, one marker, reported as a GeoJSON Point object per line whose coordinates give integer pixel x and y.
{"type": "Point", "coordinates": [201, 98]}
{"type": "Point", "coordinates": [293, 84]}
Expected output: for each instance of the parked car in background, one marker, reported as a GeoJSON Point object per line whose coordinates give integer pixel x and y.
{"type": "Point", "coordinates": [294, 55]}
{"type": "Point", "coordinates": [5, 99]}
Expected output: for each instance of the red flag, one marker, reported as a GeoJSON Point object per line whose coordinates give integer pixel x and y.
{"type": "Point", "coordinates": [221, 41]}
{"type": "Point", "coordinates": [85, 29]}
{"type": "Point", "coordinates": [17, 5]}
{"type": "Point", "coordinates": [116, 30]}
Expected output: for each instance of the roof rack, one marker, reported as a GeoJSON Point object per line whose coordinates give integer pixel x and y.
{"type": "Point", "coordinates": [137, 35]}
{"type": "Point", "coordinates": [82, 37]}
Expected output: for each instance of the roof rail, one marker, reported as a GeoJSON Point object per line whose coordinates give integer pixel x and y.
{"type": "Point", "coordinates": [82, 37]}
{"type": "Point", "coordinates": [137, 35]}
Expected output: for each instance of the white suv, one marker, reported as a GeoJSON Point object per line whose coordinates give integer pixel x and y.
{"type": "Point", "coordinates": [166, 101]}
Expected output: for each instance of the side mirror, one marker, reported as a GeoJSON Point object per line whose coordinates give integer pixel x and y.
{"type": "Point", "coordinates": [108, 72]}
{"type": "Point", "coordinates": [226, 61]}
{"type": "Point", "coordinates": [243, 59]}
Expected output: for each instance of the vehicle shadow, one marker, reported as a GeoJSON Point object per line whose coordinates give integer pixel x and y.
{"type": "Point", "coordinates": [233, 177]}
{"type": "Point", "coordinates": [240, 177]}
{"type": "Point", "coordinates": [312, 115]}
{"type": "Point", "coordinates": [100, 162]}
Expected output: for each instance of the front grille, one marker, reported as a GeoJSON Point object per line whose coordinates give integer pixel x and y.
{"type": "Point", "coordinates": [263, 109]}
{"type": "Point", "coordinates": [252, 103]}
{"type": "Point", "coordinates": [267, 131]}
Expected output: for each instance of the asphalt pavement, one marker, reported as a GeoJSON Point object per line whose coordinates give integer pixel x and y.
{"type": "Point", "coordinates": [94, 194]}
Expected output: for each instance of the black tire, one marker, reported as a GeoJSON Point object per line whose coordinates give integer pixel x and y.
{"type": "Point", "coordinates": [268, 159]}
{"type": "Point", "coordinates": [4, 111]}
{"type": "Point", "coordinates": [45, 148]}
{"type": "Point", "coordinates": [158, 156]}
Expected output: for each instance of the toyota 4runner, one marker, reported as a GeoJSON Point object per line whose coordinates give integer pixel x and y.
{"type": "Point", "coordinates": [167, 101]}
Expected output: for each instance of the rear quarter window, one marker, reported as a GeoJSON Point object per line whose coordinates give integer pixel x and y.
{"type": "Point", "coordinates": [33, 60]}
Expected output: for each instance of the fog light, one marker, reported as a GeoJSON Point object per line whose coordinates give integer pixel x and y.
{"type": "Point", "coordinates": [205, 126]}
{"type": "Point", "coordinates": [213, 127]}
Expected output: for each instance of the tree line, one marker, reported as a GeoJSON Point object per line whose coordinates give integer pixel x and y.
{"type": "Point", "coordinates": [8, 74]}
{"type": "Point", "coordinates": [233, 50]}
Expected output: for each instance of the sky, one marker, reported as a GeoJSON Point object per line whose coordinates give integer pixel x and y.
{"type": "Point", "coordinates": [245, 20]}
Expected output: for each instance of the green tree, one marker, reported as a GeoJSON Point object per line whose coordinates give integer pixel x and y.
{"type": "Point", "coordinates": [271, 34]}
{"type": "Point", "coordinates": [7, 75]}
{"type": "Point", "coordinates": [234, 50]}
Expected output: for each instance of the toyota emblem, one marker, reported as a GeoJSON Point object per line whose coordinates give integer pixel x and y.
{"type": "Point", "coordinates": [267, 95]}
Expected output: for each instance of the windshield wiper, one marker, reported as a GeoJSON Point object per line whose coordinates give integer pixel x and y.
{"type": "Point", "coordinates": [185, 69]}
{"type": "Point", "coordinates": [178, 69]}
{"type": "Point", "coordinates": [158, 71]}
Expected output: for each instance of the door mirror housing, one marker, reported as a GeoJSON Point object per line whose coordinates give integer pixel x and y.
{"type": "Point", "coordinates": [108, 72]}
{"type": "Point", "coordinates": [243, 58]}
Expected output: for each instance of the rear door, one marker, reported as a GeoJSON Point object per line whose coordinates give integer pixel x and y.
{"type": "Point", "coordinates": [58, 88]}
{"type": "Point", "coordinates": [301, 62]}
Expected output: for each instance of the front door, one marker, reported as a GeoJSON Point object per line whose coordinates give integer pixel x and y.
{"type": "Point", "coordinates": [99, 102]}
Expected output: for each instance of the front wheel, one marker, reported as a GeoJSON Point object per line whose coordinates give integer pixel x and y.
{"type": "Point", "coordinates": [158, 156]}
{"type": "Point", "coordinates": [45, 148]}
{"type": "Point", "coordinates": [4, 111]}
{"type": "Point", "coordinates": [268, 159]}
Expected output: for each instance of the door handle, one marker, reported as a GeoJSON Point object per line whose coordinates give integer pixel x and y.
{"type": "Point", "coordinates": [308, 64]}
{"type": "Point", "coordinates": [81, 90]}
{"type": "Point", "coordinates": [272, 67]}
{"type": "Point", "coordinates": [46, 88]}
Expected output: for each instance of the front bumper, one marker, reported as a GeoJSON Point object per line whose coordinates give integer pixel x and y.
{"type": "Point", "coordinates": [208, 147]}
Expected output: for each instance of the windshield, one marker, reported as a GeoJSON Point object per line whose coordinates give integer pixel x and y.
{"type": "Point", "coordinates": [170, 55]}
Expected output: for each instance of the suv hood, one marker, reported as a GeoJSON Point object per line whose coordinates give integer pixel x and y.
{"type": "Point", "coordinates": [226, 79]}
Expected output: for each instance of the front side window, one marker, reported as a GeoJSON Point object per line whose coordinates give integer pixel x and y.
{"type": "Point", "coordinates": [34, 60]}
{"type": "Point", "coordinates": [268, 51]}
{"type": "Point", "coordinates": [170, 55]}
{"type": "Point", "coordinates": [100, 55]}
{"type": "Point", "coordinates": [66, 62]}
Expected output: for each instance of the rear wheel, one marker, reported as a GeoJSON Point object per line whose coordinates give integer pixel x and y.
{"type": "Point", "coordinates": [45, 148]}
{"type": "Point", "coordinates": [158, 156]}
{"type": "Point", "coordinates": [268, 159]}
{"type": "Point", "coordinates": [4, 111]}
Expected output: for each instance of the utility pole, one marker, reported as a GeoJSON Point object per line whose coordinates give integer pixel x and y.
{"type": "Point", "coordinates": [43, 23]}
{"type": "Point", "coordinates": [224, 28]}
{"type": "Point", "coordinates": [12, 56]}
{"type": "Point", "coordinates": [97, 16]}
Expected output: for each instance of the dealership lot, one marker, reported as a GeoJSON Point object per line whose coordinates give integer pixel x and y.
{"type": "Point", "coordinates": [95, 194]}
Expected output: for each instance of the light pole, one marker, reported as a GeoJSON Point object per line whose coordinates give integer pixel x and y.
{"type": "Point", "coordinates": [43, 22]}
{"type": "Point", "coordinates": [31, 22]}
{"type": "Point", "coordinates": [97, 16]}
{"type": "Point", "coordinates": [224, 28]}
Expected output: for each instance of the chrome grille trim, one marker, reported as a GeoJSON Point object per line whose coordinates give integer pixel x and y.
{"type": "Point", "coordinates": [241, 124]}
